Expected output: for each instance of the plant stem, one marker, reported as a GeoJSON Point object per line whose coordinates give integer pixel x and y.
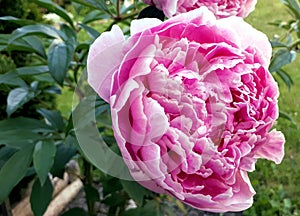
{"type": "Point", "coordinates": [88, 180]}
{"type": "Point", "coordinates": [118, 10]}
{"type": "Point", "coordinates": [76, 90]}
{"type": "Point", "coordinates": [294, 44]}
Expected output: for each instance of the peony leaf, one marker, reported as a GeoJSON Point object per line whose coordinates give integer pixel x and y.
{"type": "Point", "coordinates": [43, 158]}
{"type": "Point", "coordinates": [148, 210]}
{"type": "Point", "coordinates": [63, 155]}
{"type": "Point", "coordinates": [14, 170]}
{"type": "Point", "coordinates": [28, 44]}
{"type": "Point", "coordinates": [93, 16]}
{"type": "Point", "coordinates": [293, 5]}
{"type": "Point", "coordinates": [5, 153]}
{"type": "Point", "coordinates": [58, 61]}
{"type": "Point", "coordinates": [41, 196]}
{"type": "Point", "coordinates": [53, 117]}
{"type": "Point", "coordinates": [12, 78]}
{"type": "Point", "coordinates": [38, 29]}
{"type": "Point", "coordinates": [285, 77]}
{"type": "Point", "coordinates": [280, 58]}
{"type": "Point", "coordinates": [17, 98]}
{"type": "Point", "coordinates": [135, 191]}
{"type": "Point", "coordinates": [91, 32]}
{"type": "Point", "coordinates": [16, 20]}
{"type": "Point", "coordinates": [32, 70]}
{"type": "Point", "coordinates": [54, 8]}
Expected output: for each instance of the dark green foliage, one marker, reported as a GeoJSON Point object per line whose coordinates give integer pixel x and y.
{"type": "Point", "coordinates": [40, 60]}
{"type": "Point", "coordinates": [41, 196]}
{"type": "Point", "coordinates": [6, 64]}
{"type": "Point", "coordinates": [11, 8]}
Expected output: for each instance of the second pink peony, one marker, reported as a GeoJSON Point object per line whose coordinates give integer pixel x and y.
{"type": "Point", "coordinates": [221, 8]}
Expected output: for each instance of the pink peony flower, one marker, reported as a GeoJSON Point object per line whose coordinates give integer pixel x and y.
{"type": "Point", "coordinates": [192, 104]}
{"type": "Point", "coordinates": [221, 8]}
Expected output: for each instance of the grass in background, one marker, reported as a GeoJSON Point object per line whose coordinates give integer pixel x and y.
{"type": "Point", "coordinates": [278, 186]}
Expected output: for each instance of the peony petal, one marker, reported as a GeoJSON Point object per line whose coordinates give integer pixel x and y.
{"type": "Point", "coordinates": [248, 8]}
{"type": "Point", "coordinates": [273, 149]}
{"type": "Point", "coordinates": [246, 36]}
{"type": "Point", "coordinates": [140, 25]}
{"type": "Point", "coordinates": [104, 58]}
{"type": "Point", "coordinates": [221, 9]}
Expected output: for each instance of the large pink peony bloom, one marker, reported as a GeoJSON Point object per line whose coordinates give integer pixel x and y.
{"type": "Point", "coordinates": [192, 103]}
{"type": "Point", "coordinates": [221, 8]}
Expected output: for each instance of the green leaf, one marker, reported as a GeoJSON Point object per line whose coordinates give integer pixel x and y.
{"type": "Point", "coordinates": [25, 124]}
{"type": "Point", "coordinates": [92, 32]}
{"type": "Point", "coordinates": [145, 211]}
{"type": "Point", "coordinates": [29, 44]}
{"type": "Point", "coordinates": [19, 139]}
{"type": "Point", "coordinates": [58, 61]}
{"type": "Point", "coordinates": [285, 77]}
{"type": "Point", "coordinates": [53, 90]}
{"type": "Point", "coordinates": [12, 78]}
{"type": "Point", "coordinates": [54, 8]}
{"type": "Point", "coordinates": [2, 47]}
{"type": "Point", "coordinates": [100, 4]}
{"type": "Point", "coordinates": [293, 5]}
{"type": "Point", "coordinates": [82, 46]}
{"type": "Point", "coordinates": [17, 98]}
{"type": "Point", "coordinates": [5, 153]}
{"type": "Point", "coordinates": [22, 132]}
{"type": "Point", "coordinates": [38, 29]}
{"type": "Point", "coordinates": [53, 117]}
{"type": "Point", "coordinates": [75, 212]}
{"type": "Point", "coordinates": [277, 44]}
{"type": "Point", "coordinates": [135, 191]}
{"type": "Point", "coordinates": [36, 44]}
{"type": "Point", "coordinates": [288, 117]}
{"type": "Point", "coordinates": [111, 185]}
{"type": "Point", "coordinates": [94, 15]}
{"type": "Point", "coordinates": [41, 197]}
{"type": "Point", "coordinates": [32, 70]}
{"type": "Point", "coordinates": [69, 32]}
{"type": "Point", "coordinates": [115, 199]}
{"type": "Point", "coordinates": [45, 77]}
{"type": "Point", "coordinates": [64, 154]}
{"type": "Point", "coordinates": [150, 209]}
{"type": "Point", "coordinates": [96, 4]}
{"type": "Point", "coordinates": [4, 38]}
{"type": "Point", "coordinates": [281, 58]}
{"type": "Point", "coordinates": [14, 170]}
{"type": "Point", "coordinates": [16, 20]}
{"type": "Point", "coordinates": [43, 158]}
{"type": "Point", "coordinates": [91, 194]}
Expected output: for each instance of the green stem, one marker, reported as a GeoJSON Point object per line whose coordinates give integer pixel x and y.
{"type": "Point", "coordinates": [76, 90]}
{"type": "Point", "coordinates": [88, 180]}
{"type": "Point", "coordinates": [118, 11]}
{"type": "Point", "coordinates": [291, 29]}
{"type": "Point", "coordinates": [295, 44]}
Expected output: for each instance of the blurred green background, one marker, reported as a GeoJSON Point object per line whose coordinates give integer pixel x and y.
{"type": "Point", "coordinates": [278, 186]}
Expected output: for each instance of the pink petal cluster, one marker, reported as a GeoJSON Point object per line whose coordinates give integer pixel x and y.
{"type": "Point", "coordinates": [221, 8]}
{"type": "Point", "coordinates": [192, 105]}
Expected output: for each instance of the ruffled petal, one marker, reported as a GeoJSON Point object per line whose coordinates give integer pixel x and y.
{"type": "Point", "coordinates": [104, 58]}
